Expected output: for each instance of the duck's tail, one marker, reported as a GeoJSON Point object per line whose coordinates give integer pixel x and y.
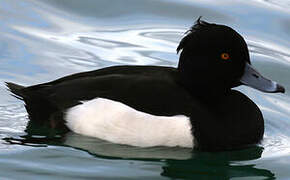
{"type": "Point", "coordinates": [16, 89]}
{"type": "Point", "coordinates": [44, 116]}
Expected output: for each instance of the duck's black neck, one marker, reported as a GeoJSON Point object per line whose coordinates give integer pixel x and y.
{"type": "Point", "coordinates": [209, 95]}
{"type": "Point", "coordinates": [205, 89]}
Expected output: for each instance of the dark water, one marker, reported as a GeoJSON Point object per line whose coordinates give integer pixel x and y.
{"type": "Point", "coordinates": [41, 40]}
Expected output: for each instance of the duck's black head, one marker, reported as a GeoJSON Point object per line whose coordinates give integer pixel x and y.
{"type": "Point", "coordinates": [215, 58]}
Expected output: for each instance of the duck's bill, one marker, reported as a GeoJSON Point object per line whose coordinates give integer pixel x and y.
{"type": "Point", "coordinates": [255, 80]}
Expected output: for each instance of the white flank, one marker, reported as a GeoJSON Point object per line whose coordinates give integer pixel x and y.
{"type": "Point", "coordinates": [118, 123]}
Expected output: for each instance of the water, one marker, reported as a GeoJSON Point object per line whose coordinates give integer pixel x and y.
{"type": "Point", "coordinates": [41, 40]}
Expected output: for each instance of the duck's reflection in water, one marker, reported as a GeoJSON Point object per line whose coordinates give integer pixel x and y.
{"type": "Point", "coordinates": [180, 163]}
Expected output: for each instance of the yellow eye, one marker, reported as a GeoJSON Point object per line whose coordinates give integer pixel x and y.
{"type": "Point", "coordinates": [225, 56]}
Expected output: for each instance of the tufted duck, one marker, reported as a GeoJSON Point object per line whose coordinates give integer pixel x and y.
{"type": "Point", "coordinates": [192, 105]}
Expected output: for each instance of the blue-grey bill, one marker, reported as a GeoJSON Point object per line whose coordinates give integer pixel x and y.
{"type": "Point", "coordinates": [254, 79]}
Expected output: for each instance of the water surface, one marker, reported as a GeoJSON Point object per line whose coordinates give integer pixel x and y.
{"type": "Point", "coordinates": [41, 40]}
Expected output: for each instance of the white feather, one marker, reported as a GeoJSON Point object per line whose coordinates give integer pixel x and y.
{"type": "Point", "coordinates": [118, 123]}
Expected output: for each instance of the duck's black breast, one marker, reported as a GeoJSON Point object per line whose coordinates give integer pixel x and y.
{"type": "Point", "coordinates": [236, 122]}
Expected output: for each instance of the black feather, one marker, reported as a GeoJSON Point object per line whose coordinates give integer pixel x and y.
{"type": "Point", "coordinates": [199, 25]}
{"type": "Point", "coordinates": [16, 90]}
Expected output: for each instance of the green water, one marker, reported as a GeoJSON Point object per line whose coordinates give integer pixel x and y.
{"type": "Point", "coordinates": [41, 40]}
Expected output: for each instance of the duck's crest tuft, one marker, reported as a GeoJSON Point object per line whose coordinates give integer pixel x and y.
{"type": "Point", "coordinates": [198, 26]}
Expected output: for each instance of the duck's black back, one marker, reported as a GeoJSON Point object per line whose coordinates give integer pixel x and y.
{"type": "Point", "coordinates": [150, 89]}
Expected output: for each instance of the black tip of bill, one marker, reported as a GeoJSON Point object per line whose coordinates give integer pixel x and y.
{"type": "Point", "coordinates": [280, 88]}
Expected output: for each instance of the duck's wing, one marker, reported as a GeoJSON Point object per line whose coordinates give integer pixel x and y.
{"type": "Point", "coordinates": [150, 89]}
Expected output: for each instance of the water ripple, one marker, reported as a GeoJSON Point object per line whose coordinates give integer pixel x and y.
{"type": "Point", "coordinates": [134, 46]}
{"type": "Point", "coordinates": [267, 49]}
